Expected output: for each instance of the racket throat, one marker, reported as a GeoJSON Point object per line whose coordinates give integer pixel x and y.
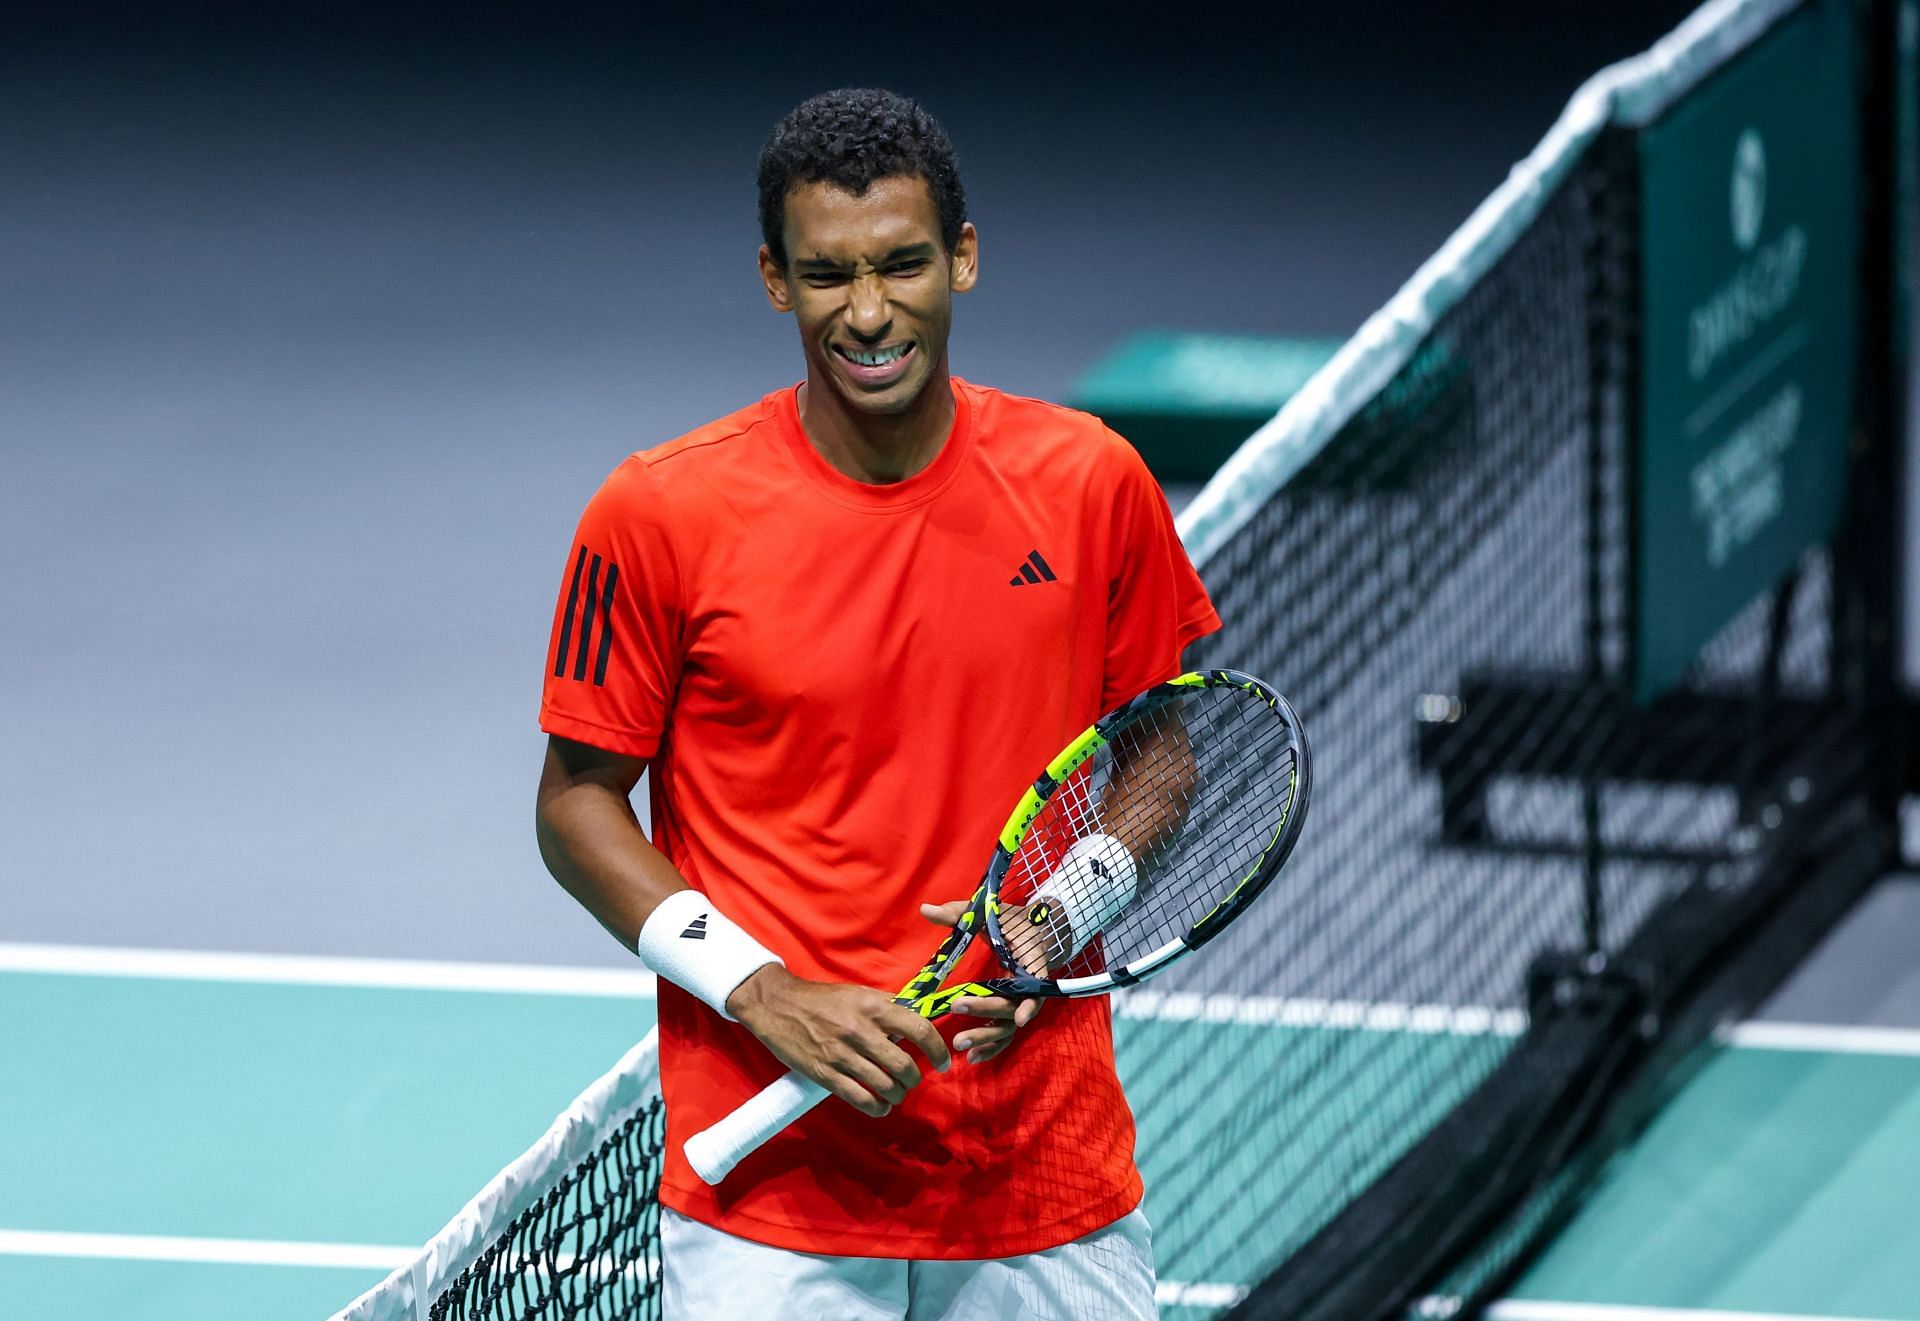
{"type": "Point", "coordinates": [941, 1001]}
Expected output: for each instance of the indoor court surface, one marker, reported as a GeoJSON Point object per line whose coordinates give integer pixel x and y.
{"type": "Point", "coordinates": [260, 1137]}
{"type": "Point", "coordinates": [315, 335]}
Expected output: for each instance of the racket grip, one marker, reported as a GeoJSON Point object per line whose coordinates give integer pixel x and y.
{"type": "Point", "coordinates": [713, 1152]}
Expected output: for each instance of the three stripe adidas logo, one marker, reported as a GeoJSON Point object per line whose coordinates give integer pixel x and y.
{"type": "Point", "coordinates": [1034, 570]}
{"type": "Point", "coordinates": [696, 929]}
{"type": "Point", "coordinates": [596, 614]}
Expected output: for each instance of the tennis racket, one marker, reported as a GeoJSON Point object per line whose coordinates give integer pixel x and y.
{"type": "Point", "coordinates": [1148, 834]}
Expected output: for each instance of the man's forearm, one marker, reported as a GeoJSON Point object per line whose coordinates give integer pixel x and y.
{"type": "Point", "coordinates": [593, 845]}
{"type": "Point", "coordinates": [840, 1036]}
{"type": "Point", "coordinates": [1149, 794]}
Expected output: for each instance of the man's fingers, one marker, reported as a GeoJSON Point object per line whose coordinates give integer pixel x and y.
{"type": "Point", "coordinates": [947, 914]}
{"type": "Point", "coordinates": [897, 1064]}
{"type": "Point", "coordinates": [855, 1095]}
{"type": "Point", "coordinates": [871, 1066]}
{"type": "Point", "coordinates": [998, 1006]}
{"type": "Point", "coordinates": [1004, 1016]}
{"type": "Point", "coordinates": [875, 1080]}
{"type": "Point", "coordinates": [903, 1023]}
{"type": "Point", "coordinates": [981, 1036]}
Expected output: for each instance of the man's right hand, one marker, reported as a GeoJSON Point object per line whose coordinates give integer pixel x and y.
{"type": "Point", "coordinates": [843, 1037]}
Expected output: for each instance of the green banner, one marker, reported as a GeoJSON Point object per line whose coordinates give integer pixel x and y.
{"type": "Point", "coordinates": [1749, 235]}
{"type": "Point", "coordinates": [1188, 401]}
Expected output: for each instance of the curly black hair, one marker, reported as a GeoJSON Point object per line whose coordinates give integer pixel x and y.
{"type": "Point", "coordinates": [851, 137]}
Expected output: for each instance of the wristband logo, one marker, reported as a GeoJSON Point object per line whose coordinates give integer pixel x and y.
{"type": "Point", "coordinates": [696, 929]}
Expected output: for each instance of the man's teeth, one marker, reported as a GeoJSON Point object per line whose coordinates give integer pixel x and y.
{"type": "Point", "coordinates": [880, 359]}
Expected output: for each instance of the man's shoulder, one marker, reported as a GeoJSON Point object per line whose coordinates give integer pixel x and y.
{"type": "Point", "coordinates": [993, 408]}
{"type": "Point", "coordinates": [717, 442]}
{"type": "Point", "coordinates": [674, 480]}
{"type": "Point", "coordinates": [1046, 434]}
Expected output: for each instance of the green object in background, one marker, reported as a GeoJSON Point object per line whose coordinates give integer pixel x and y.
{"type": "Point", "coordinates": [1188, 401]}
{"type": "Point", "coordinates": [1750, 225]}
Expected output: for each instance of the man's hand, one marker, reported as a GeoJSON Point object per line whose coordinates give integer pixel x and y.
{"type": "Point", "coordinates": [983, 1043]}
{"type": "Point", "coordinates": [1039, 937]}
{"type": "Point", "coordinates": [843, 1037]}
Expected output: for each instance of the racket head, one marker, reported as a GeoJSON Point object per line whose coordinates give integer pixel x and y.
{"type": "Point", "coordinates": [1204, 780]}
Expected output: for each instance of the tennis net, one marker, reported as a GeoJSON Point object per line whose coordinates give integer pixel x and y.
{"type": "Point", "coordinates": [1541, 865]}
{"type": "Point", "coordinates": [1577, 561]}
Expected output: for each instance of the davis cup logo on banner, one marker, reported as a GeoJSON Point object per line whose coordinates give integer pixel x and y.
{"type": "Point", "coordinates": [1749, 273]}
{"type": "Point", "coordinates": [1767, 281]}
{"type": "Point", "coordinates": [1749, 189]}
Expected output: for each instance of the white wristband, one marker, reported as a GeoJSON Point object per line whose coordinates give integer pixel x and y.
{"type": "Point", "coordinates": [699, 949]}
{"type": "Point", "coordinates": [1094, 882]}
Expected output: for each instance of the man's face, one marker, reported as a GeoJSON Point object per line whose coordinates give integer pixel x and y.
{"type": "Point", "coordinates": [871, 286]}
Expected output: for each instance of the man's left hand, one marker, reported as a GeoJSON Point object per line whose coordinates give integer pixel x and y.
{"type": "Point", "coordinates": [1006, 1016]}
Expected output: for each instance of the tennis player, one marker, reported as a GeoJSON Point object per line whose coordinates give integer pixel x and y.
{"type": "Point", "coordinates": [844, 627]}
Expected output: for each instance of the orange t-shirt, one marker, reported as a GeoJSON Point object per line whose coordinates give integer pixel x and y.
{"type": "Point", "coordinates": [844, 689]}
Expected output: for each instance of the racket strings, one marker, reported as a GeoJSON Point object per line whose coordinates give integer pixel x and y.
{"type": "Point", "coordinates": [1152, 835]}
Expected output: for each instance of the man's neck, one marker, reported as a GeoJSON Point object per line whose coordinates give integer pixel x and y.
{"type": "Point", "coordinates": [878, 448]}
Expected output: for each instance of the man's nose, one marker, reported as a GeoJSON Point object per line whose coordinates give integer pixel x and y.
{"type": "Point", "coordinates": [867, 314]}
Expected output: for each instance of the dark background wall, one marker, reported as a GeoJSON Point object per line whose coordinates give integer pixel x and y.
{"type": "Point", "coordinates": [317, 327]}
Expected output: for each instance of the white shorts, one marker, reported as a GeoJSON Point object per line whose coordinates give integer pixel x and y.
{"type": "Point", "coordinates": [713, 1276]}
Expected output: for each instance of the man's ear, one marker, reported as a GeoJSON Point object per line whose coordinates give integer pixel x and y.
{"type": "Point", "coordinates": [775, 281]}
{"type": "Point", "coordinates": [966, 259]}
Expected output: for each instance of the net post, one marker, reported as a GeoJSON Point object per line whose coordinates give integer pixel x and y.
{"type": "Point", "coordinates": [1611, 199]}
{"type": "Point", "coordinates": [1876, 533]}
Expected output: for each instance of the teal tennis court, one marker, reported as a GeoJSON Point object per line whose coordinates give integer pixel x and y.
{"type": "Point", "coordinates": [195, 1136]}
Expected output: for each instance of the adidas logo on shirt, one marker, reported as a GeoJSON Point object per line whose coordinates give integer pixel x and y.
{"type": "Point", "coordinates": [1034, 570]}
{"type": "Point", "coordinates": [696, 929]}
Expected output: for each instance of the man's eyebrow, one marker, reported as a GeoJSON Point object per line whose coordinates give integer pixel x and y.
{"type": "Point", "coordinates": [903, 253]}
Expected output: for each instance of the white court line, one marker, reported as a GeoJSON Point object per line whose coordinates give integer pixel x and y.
{"type": "Point", "coordinates": [217, 1251]}
{"type": "Point", "coordinates": [408, 974]}
{"type": "Point", "coordinates": [1820, 1037]}
{"type": "Point", "coordinates": [1181, 1293]}
{"type": "Point", "coordinates": [363, 1256]}
{"type": "Point", "coordinates": [1301, 1012]}
{"type": "Point", "coordinates": [637, 983]}
{"type": "Point", "coordinates": [313, 970]}
{"type": "Point", "coordinates": [1520, 1309]}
